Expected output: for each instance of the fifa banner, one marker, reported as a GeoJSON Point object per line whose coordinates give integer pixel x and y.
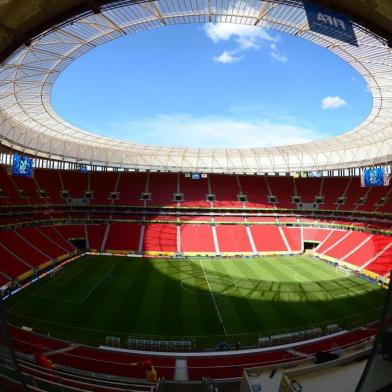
{"type": "Point", "coordinates": [330, 23]}
{"type": "Point", "coordinates": [375, 176]}
{"type": "Point", "coordinates": [22, 166]}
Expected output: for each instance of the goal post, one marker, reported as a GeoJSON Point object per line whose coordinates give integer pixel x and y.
{"type": "Point", "coordinates": [56, 271]}
{"type": "Point", "coordinates": [344, 270]}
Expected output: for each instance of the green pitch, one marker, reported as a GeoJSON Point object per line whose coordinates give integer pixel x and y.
{"type": "Point", "coordinates": [207, 300]}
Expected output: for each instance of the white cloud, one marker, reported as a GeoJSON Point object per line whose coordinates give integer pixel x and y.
{"type": "Point", "coordinates": [332, 102]}
{"type": "Point", "coordinates": [245, 37]}
{"type": "Point", "coordinates": [277, 55]}
{"type": "Point", "coordinates": [281, 58]}
{"type": "Point", "coordinates": [185, 130]}
{"type": "Point", "coordinates": [226, 58]}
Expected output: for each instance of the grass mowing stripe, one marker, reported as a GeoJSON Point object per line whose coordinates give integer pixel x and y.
{"type": "Point", "coordinates": [213, 299]}
{"type": "Point", "coordinates": [169, 314]}
{"type": "Point", "coordinates": [242, 315]}
{"type": "Point", "coordinates": [148, 298]}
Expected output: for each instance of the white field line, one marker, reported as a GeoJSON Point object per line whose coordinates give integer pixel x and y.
{"type": "Point", "coordinates": [349, 295]}
{"type": "Point", "coordinates": [97, 284]}
{"type": "Point", "coordinates": [213, 298]}
{"type": "Point", "coordinates": [157, 336]}
{"type": "Point", "coordinates": [56, 299]}
{"type": "Point", "coordinates": [297, 274]}
{"type": "Point", "coordinates": [38, 289]}
{"type": "Point", "coordinates": [75, 301]}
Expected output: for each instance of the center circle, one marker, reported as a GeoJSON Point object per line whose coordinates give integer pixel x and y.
{"type": "Point", "coordinates": [205, 284]}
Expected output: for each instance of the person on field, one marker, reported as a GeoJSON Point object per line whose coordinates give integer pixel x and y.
{"type": "Point", "coordinates": [150, 372]}
{"type": "Point", "coordinates": [41, 359]}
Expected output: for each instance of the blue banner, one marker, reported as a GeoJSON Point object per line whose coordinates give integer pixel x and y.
{"type": "Point", "coordinates": [373, 177]}
{"type": "Point", "coordinates": [22, 166]}
{"type": "Point", "coordinates": [330, 23]}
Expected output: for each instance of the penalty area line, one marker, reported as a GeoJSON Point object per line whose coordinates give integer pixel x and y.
{"type": "Point", "coordinates": [96, 285]}
{"type": "Point", "coordinates": [214, 300]}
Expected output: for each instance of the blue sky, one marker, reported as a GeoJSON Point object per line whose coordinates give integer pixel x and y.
{"type": "Point", "coordinates": [213, 85]}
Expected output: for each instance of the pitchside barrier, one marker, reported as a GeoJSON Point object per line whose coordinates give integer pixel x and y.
{"type": "Point", "coordinates": [160, 345]}
{"type": "Point", "coordinates": [291, 337]}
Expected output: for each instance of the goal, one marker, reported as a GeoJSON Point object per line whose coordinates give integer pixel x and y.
{"type": "Point", "coordinates": [56, 271]}
{"type": "Point", "coordinates": [344, 270]}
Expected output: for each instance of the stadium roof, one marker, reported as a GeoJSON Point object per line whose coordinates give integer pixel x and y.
{"type": "Point", "coordinates": [55, 34]}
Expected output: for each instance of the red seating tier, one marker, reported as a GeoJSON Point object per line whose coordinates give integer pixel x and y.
{"type": "Point", "coordinates": [30, 189]}
{"type": "Point", "coordinates": [123, 236]}
{"type": "Point", "coordinates": [382, 265]}
{"type": "Point", "coordinates": [160, 238]}
{"type": "Point", "coordinates": [55, 235]}
{"type": "Point", "coordinates": [71, 231]}
{"type": "Point", "coordinates": [226, 189]}
{"type": "Point", "coordinates": [373, 197]}
{"type": "Point", "coordinates": [233, 238]}
{"type": "Point", "coordinates": [308, 188]}
{"type": "Point", "coordinates": [194, 191]}
{"type": "Point", "coordinates": [197, 238]}
{"type": "Point", "coordinates": [95, 235]}
{"type": "Point", "coordinates": [215, 367]}
{"type": "Point", "coordinates": [348, 244]}
{"type": "Point", "coordinates": [333, 188]}
{"type": "Point", "coordinates": [102, 185]}
{"type": "Point", "coordinates": [22, 248]}
{"type": "Point", "coordinates": [268, 239]}
{"type": "Point", "coordinates": [131, 186]}
{"type": "Point", "coordinates": [75, 182]}
{"type": "Point", "coordinates": [368, 250]}
{"type": "Point", "coordinates": [282, 188]}
{"type": "Point", "coordinates": [255, 188]}
{"type": "Point", "coordinates": [162, 186]}
{"type": "Point", "coordinates": [49, 181]}
{"type": "Point", "coordinates": [88, 358]}
{"type": "Point", "coordinates": [354, 192]}
{"type": "Point", "coordinates": [228, 219]}
{"type": "Point", "coordinates": [232, 366]}
{"type": "Point", "coordinates": [293, 236]}
{"type": "Point", "coordinates": [315, 234]}
{"type": "Point", "coordinates": [9, 188]}
{"type": "Point", "coordinates": [331, 240]}
{"type": "Point", "coordinates": [10, 264]}
{"type": "Point", "coordinates": [36, 238]}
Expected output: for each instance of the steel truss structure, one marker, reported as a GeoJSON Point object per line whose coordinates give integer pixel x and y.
{"type": "Point", "coordinates": [28, 122]}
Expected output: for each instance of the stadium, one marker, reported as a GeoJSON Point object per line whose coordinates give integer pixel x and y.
{"type": "Point", "coordinates": [128, 266]}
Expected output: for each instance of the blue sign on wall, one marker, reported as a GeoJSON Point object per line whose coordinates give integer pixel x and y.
{"type": "Point", "coordinates": [373, 177]}
{"type": "Point", "coordinates": [330, 23]}
{"type": "Point", "coordinates": [195, 176]}
{"type": "Point", "coordinates": [22, 166]}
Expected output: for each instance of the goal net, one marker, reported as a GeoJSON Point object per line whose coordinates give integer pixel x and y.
{"type": "Point", "coordinates": [344, 270]}
{"type": "Point", "coordinates": [55, 272]}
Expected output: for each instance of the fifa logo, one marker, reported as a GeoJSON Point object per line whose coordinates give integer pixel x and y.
{"type": "Point", "coordinates": [23, 166]}
{"type": "Point", "coordinates": [373, 179]}
{"type": "Point", "coordinates": [331, 20]}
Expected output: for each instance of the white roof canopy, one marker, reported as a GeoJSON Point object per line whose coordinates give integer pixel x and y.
{"type": "Point", "coordinates": [29, 123]}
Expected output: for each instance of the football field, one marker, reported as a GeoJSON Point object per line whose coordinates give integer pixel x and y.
{"type": "Point", "coordinates": [204, 299]}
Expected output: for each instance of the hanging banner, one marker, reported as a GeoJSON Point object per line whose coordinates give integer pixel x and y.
{"type": "Point", "coordinates": [330, 23]}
